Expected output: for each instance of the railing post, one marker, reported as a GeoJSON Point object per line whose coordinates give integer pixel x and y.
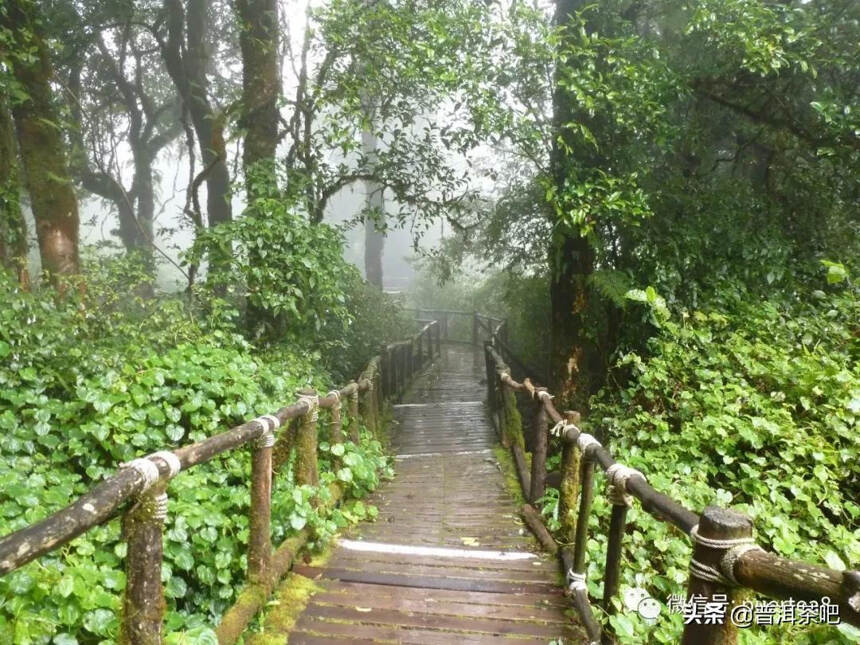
{"type": "Point", "coordinates": [306, 468]}
{"type": "Point", "coordinates": [585, 499]}
{"type": "Point", "coordinates": [403, 368]}
{"type": "Point", "coordinates": [396, 370]}
{"type": "Point", "coordinates": [354, 434]}
{"type": "Point", "coordinates": [445, 330]}
{"type": "Point", "coordinates": [576, 573]}
{"type": "Point", "coordinates": [492, 387]}
{"type": "Point", "coordinates": [439, 339]}
{"type": "Point", "coordinates": [420, 357]}
{"type": "Point", "coordinates": [569, 487]}
{"type": "Point", "coordinates": [475, 328]}
{"type": "Point", "coordinates": [383, 370]}
{"type": "Point", "coordinates": [143, 601]}
{"type": "Point", "coordinates": [366, 408]}
{"type": "Point", "coordinates": [336, 423]}
{"type": "Point", "coordinates": [617, 475]}
{"type": "Point", "coordinates": [260, 534]}
{"type": "Point", "coordinates": [539, 443]}
{"type": "Point", "coordinates": [719, 531]}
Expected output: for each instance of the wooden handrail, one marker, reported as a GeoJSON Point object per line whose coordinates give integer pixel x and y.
{"type": "Point", "coordinates": [725, 558]}
{"type": "Point", "coordinates": [144, 481]}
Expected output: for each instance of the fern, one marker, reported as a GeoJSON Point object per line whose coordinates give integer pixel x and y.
{"type": "Point", "coordinates": [611, 284]}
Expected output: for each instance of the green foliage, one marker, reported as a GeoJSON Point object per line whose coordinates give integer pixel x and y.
{"type": "Point", "coordinates": [757, 410]}
{"type": "Point", "coordinates": [290, 271]}
{"type": "Point", "coordinates": [99, 378]}
{"type": "Point", "coordinates": [375, 318]}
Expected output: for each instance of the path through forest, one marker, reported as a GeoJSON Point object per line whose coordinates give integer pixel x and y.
{"type": "Point", "coordinates": [447, 560]}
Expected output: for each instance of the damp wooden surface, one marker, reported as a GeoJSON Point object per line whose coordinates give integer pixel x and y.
{"type": "Point", "coordinates": [448, 493]}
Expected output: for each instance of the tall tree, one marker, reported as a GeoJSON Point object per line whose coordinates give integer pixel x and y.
{"type": "Point", "coordinates": [184, 41]}
{"type": "Point", "coordinates": [575, 361]}
{"type": "Point", "coordinates": [119, 93]}
{"type": "Point", "coordinates": [374, 220]}
{"type": "Point", "coordinates": [13, 228]}
{"type": "Point", "coordinates": [40, 141]}
{"type": "Point", "coordinates": [258, 40]}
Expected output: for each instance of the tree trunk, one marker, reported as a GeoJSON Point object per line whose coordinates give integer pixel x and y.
{"type": "Point", "coordinates": [258, 39]}
{"type": "Point", "coordinates": [13, 228]}
{"type": "Point", "coordinates": [374, 238]}
{"type": "Point", "coordinates": [186, 58]}
{"type": "Point", "coordinates": [574, 356]}
{"type": "Point", "coordinates": [374, 243]}
{"type": "Point", "coordinates": [43, 152]}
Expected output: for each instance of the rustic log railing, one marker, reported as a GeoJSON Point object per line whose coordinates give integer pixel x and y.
{"type": "Point", "coordinates": [725, 557]}
{"type": "Point", "coordinates": [139, 490]}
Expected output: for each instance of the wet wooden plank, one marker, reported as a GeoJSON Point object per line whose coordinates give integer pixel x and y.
{"type": "Point", "coordinates": [396, 634]}
{"type": "Point", "coordinates": [446, 623]}
{"type": "Point", "coordinates": [448, 492]}
{"type": "Point", "coordinates": [428, 582]}
{"type": "Point", "coordinates": [443, 595]}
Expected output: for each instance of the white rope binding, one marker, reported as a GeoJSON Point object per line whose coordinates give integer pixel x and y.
{"type": "Point", "coordinates": [159, 509]}
{"type": "Point", "coordinates": [561, 428]}
{"type": "Point", "coordinates": [618, 474]}
{"type": "Point", "coordinates": [585, 441]}
{"type": "Point", "coordinates": [734, 548]}
{"type": "Point", "coordinates": [172, 461]}
{"type": "Point", "coordinates": [719, 544]}
{"type": "Point", "coordinates": [543, 395]}
{"type": "Point", "coordinates": [270, 423]}
{"type": "Point", "coordinates": [336, 395]}
{"type": "Point", "coordinates": [146, 469]}
{"type": "Point", "coordinates": [313, 402]}
{"type": "Point", "coordinates": [730, 558]}
{"type": "Point", "coordinates": [576, 580]}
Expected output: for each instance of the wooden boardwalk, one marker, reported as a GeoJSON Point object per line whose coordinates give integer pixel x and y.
{"type": "Point", "coordinates": [446, 561]}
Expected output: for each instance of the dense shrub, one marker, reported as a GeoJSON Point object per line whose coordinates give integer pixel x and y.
{"type": "Point", "coordinates": [375, 318]}
{"type": "Point", "coordinates": [756, 410]}
{"type": "Point", "coordinates": [102, 377]}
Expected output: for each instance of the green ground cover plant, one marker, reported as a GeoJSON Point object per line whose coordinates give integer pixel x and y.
{"type": "Point", "coordinates": [105, 375]}
{"type": "Point", "coordinates": [755, 409]}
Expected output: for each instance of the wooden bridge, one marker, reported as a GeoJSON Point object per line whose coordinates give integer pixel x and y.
{"type": "Point", "coordinates": [448, 560]}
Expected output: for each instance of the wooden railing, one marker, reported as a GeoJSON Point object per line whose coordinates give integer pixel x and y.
{"type": "Point", "coordinates": [139, 491]}
{"type": "Point", "coordinates": [725, 558]}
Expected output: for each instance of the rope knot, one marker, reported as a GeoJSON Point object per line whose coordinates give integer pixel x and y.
{"type": "Point", "coordinates": [336, 395]}
{"type": "Point", "coordinates": [576, 580]}
{"type": "Point", "coordinates": [734, 548]}
{"type": "Point", "coordinates": [560, 429]}
{"type": "Point", "coordinates": [146, 469]}
{"type": "Point", "coordinates": [313, 403]}
{"type": "Point", "coordinates": [269, 423]}
{"type": "Point", "coordinates": [172, 461]}
{"type": "Point", "coordinates": [618, 474]}
{"type": "Point", "coordinates": [585, 441]}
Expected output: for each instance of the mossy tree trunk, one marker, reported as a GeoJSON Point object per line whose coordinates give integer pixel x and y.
{"type": "Point", "coordinates": [258, 40]}
{"type": "Point", "coordinates": [13, 228]}
{"type": "Point", "coordinates": [576, 362]}
{"type": "Point", "coordinates": [41, 145]}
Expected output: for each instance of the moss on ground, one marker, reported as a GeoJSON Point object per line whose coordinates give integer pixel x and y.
{"type": "Point", "coordinates": [509, 471]}
{"type": "Point", "coordinates": [282, 613]}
